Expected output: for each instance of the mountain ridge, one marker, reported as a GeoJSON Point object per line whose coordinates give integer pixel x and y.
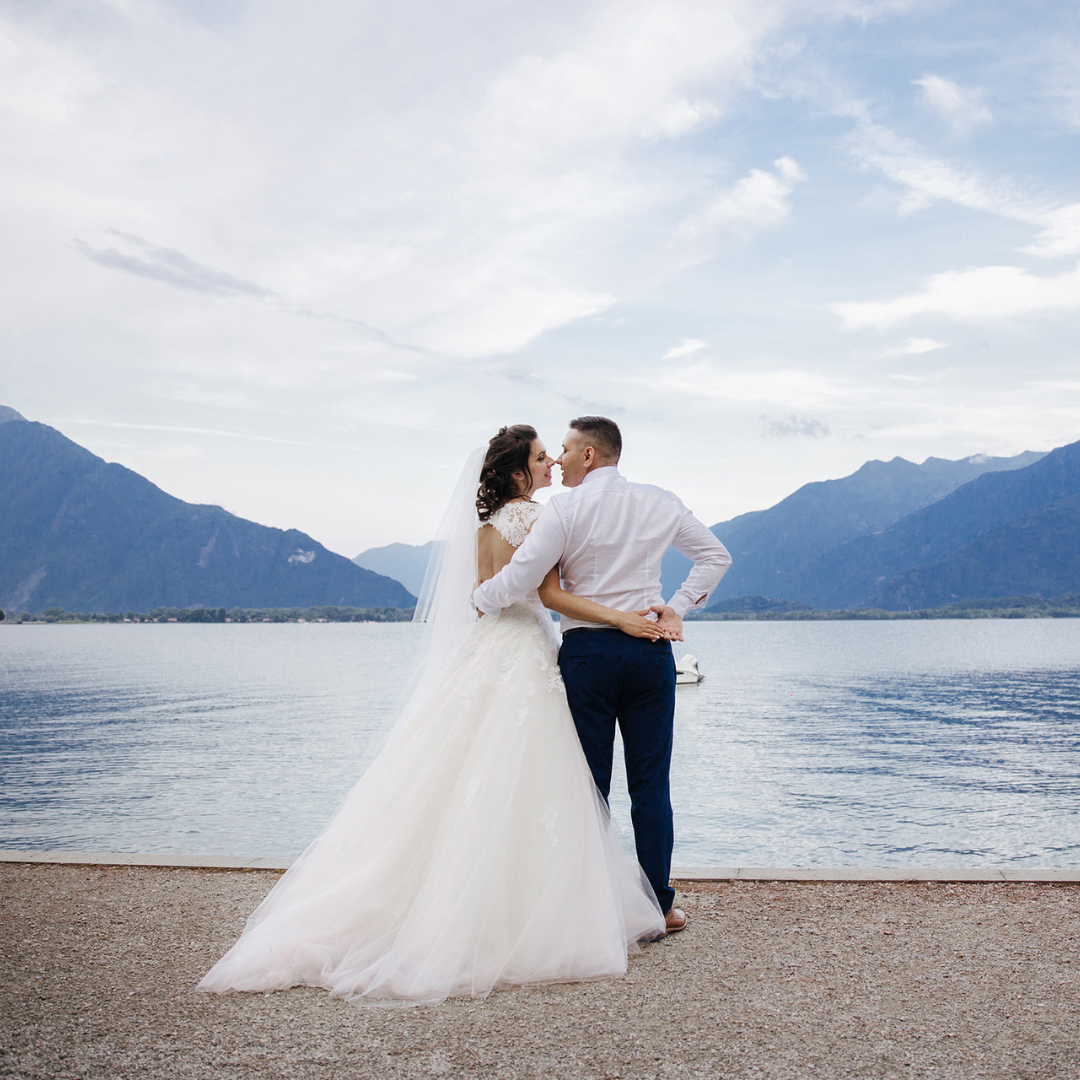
{"type": "Point", "coordinates": [772, 548]}
{"type": "Point", "coordinates": [856, 571]}
{"type": "Point", "coordinates": [88, 535]}
{"type": "Point", "coordinates": [80, 533]}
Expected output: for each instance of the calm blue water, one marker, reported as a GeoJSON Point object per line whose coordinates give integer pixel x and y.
{"type": "Point", "coordinates": [947, 743]}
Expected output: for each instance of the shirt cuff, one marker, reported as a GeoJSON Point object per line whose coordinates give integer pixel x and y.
{"type": "Point", "coordinates": [479, 604]}
{"type": "Point", "coordinates": [680, 605]}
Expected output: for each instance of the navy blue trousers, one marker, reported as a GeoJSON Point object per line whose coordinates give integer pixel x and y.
{"type": "Point", "coordinates": [614, 678]}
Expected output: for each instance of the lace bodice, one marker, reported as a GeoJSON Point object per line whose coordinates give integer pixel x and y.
{"type": "Point", "coordinates": [514, 519]}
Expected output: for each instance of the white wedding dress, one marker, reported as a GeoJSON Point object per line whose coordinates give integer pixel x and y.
{"type": "Point", "coordinates": [475, 852]}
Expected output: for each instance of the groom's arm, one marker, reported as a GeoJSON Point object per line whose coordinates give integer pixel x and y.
{"type": "Point", "coordinates": [542, 549]}
{"type": "Point", "coordinates": [711, 560]}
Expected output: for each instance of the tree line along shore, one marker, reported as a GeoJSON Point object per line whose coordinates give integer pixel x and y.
{"type": "Point", "coordinates": [322, 614]}
{"type": "Point", "coordinates": [1009, 607]}
{"type": "Point", "coordinates": [751, 609]}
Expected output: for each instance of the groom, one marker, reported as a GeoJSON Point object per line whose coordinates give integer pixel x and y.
{"type": "Point", "coordinates": [608, 537]}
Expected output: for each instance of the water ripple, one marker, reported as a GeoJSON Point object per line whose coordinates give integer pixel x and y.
{"type": "Point", "coordinates": [827, 744]}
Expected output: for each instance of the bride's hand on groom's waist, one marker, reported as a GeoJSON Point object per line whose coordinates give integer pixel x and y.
{"type": "Point", "coordinates": [670, 624]}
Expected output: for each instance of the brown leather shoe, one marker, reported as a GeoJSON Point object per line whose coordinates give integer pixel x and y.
{"type": "Point", "coordinates": [675, 920]}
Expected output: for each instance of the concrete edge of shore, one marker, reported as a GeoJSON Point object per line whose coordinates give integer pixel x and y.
{"type": "Point", "coordinates": [678, 873]}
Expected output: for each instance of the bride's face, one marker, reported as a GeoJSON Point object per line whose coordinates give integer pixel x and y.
{"type": "Point", "coordinates": [540, 462]}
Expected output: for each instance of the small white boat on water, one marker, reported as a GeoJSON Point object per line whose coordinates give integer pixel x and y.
{"type": "Point", "coordinates": [686, 671]}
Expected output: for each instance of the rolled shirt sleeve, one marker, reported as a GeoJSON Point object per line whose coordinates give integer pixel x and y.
{"type": "Point", "coordinates": [542, 549]}
{"type": "Point", "coordinates": [711, 560]}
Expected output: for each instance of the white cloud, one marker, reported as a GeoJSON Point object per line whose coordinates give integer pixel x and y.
{"type": "Point", "coordinates": [461, 192]}
{"type": "Point", "coordinates": [42, 81]}
{"type": "Point", "coordinates": [1060, 235]}
{"type": "Point", "coordinates": [783, 387]}
{"type": "Point", "coordinates": [915, 347]}
{"type": "Point", "coordinates": [758, 201]}
{"type": "Point", "coordinates": [961, 108]}
{"type": "Point", "coordinates": [631, 71]}
{"type": "Point", "coordinates": [687, 347]}
{"type": "Point", "coordinates": [1072, 387]}
{"type": "Point", "coordinates": [982, 294]}
{"type": "Point", "coordinates": [549, 181]}
{"type": "Point", "coordinates": [929, 180]}
{"type": "Point", "coordinates": [794, 425]}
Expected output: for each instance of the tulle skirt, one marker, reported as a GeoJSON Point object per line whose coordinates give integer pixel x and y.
{"type": "Point", "coordinates": [475, 852]}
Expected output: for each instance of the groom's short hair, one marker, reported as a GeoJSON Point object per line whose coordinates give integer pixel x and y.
{"type": "Point", "coordinates": [602, 433]}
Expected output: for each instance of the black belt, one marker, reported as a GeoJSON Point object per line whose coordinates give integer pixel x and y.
{"type": "Point", "coordinates": [592, 630]}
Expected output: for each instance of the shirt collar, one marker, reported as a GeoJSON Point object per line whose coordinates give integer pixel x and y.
{"type": "Point", "coordinates": [605, 472]}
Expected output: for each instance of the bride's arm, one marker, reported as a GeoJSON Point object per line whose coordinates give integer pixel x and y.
{"type": "Point", "coordinates": [555, 598]}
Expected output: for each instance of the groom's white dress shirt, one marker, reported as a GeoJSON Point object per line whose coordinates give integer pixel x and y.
{"type": "Point", "coordinates": [608, 537]}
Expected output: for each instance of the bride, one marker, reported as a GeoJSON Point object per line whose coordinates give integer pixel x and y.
{"type": "Point", "coordinates": [475, 852]}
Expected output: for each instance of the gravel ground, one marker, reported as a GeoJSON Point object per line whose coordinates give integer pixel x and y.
{"type": "Point", "coordinates": [769, 980]}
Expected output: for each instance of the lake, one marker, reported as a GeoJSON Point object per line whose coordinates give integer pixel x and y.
{"type": "Point", "coordinates": [943, 743]}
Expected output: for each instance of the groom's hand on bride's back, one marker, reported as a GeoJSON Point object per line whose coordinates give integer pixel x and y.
{"type": "Point", "coordinates": [670, 624]}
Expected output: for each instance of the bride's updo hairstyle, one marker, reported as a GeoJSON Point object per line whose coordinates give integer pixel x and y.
{"type": "Point", "coordinates": [508, 453]}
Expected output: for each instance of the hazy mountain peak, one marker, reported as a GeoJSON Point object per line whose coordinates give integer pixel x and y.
{"type": "Point", "coordinates": [7, 414]}
{"type": "Point", "coordinates": [406, 563]}
{"type": "Point", "coordinates": [1015, 461]}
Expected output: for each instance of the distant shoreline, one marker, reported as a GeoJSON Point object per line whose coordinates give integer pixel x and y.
{"type": "Point", "coordinates": [873, 615]}
{"type": "Point", "coordinates": [1024, 607]}
{"type": "Point", "coordinates": [763, 609]}
{"type": "Point", "coordinates": [320, 614]}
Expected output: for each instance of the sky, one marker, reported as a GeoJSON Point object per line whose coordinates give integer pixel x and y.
{"type": "Point", "coordinates": [297, 260]}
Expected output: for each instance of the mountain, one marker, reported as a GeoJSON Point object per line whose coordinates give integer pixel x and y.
{"type": "Point", "coordinates": [1036, 554]}
{"type": "Point", "coordinates": [406, 563]}
{"type": "Point", "coordinates": [859, 572]}
{"type": "Point", "coordinates": [771, 549]}
{"type": "Point", "coordinates": [79, 533]}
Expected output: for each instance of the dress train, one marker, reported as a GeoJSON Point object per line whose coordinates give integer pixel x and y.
{"type": "Point", "coordinates": [474, 853]}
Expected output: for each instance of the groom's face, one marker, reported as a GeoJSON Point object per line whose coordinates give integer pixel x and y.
{"type": "Point", "coordinates": [575, 459]}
